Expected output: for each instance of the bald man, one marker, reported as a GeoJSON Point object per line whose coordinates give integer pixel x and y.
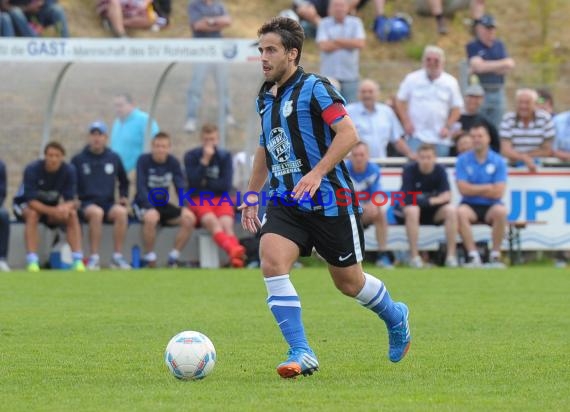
{"type": "Point", "coordinates": [528, 132]}
{"type": "Point", "coordinates": [376, 123]}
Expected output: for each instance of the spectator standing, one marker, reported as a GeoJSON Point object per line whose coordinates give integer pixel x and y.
{"type": "Point", "coordinates": [430, 207]}
{"type": "Point", "coordinates": [481, 180]}
{"type": "Point", "coordinates": [209, 169]}
{"type": "Point", "coordinates": [129, 129]}
{"type": "Point", "coordinates": [4, 222]}
{"type": "Point", "coordinates": [376, 123]}
{"type": "Point", "coordinates": [6, 26]}
{"type": "Point", "coordinates": [474, 95]}
{"type": "Point", "coordinates": [31, 17]}
{"type": "Point", "coordinates": [366, 179]}
{"type": "Point", "coordinates": [47, 195]}
{"type": "Point", "coordinates": [207, 20]}
{"type": "Point", "coordinates": [489, 60]}
{"type": "Point", "coordinates": [340, 38]}
{"type": "Point", "coordinates": [157, 171]}
{"type": "Point", "coordinates": [429, 103]}
{"type": "Point", "coordinates": [99, 169]}
{"type": "Point", "coordinates": [527, 133]}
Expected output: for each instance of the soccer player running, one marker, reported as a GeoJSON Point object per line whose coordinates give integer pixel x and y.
{"type": "Point", "coordinates": [305, 135]}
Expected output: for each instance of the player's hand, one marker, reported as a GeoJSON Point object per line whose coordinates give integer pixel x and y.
{"type": "Point", "coordinates": [444, 133]}
{"type": "Point", "coordinates": [62, 211]}
{"type": "Point", "coordinates": [249, 214]}
{"type": "Point", "coordinates": [409, 128]}
{"type": "Point", "coordinates": [123, 201]}
{"type": "Point", "coordinates": [529, 162]}
{"type": "Point", "coordinates": [308, 184]}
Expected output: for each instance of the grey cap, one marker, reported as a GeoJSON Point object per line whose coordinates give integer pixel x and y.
{"type": "Point", "coordinates": [475, 90]}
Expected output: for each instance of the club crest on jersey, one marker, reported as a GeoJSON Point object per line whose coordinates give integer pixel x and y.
{"type": "Point", "coordinates": [287, 108]}
{"type": "Point", "coordinates": [109, 168]}
{"type": "Point", "coordinates": [279, 145]}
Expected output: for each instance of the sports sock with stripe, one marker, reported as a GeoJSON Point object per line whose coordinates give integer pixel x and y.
{"type": "Point", "coordinates": [375, 297]}
{"type": "Point", "coordinates": [286, 308]}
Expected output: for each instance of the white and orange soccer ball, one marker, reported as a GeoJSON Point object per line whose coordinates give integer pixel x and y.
{"type": "Point", "coordinates": [190, 355]}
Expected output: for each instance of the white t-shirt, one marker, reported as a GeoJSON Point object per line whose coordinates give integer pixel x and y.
{"type": "Point", "coordinates": [429, 103]}
{"type": "Point", "coordinates": [376, 128]}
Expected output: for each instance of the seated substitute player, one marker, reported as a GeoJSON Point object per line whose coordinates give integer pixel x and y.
{"type": "Point", "coordinates": [481, 180]}
{"type": "Point", "coordinates": [306, 134]}
{"type": "Point", "coordinates": [47, 196]}
{"type": "Point", "coordinates": [209, 168]}
{"type": "Point", "coordinates": [431, 206]}
{"type": "Point", "coordinates": [98, 170]}
{"type": "Point", "coordinates": [366, 178]}
{"type": "Point", "coordinates": [156, 172]}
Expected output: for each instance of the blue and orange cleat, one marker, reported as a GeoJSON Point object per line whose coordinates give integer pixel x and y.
{"type": "Point", "coordinates": [399, 336]}
{"type": "Point", "coordinates": [300, 361]}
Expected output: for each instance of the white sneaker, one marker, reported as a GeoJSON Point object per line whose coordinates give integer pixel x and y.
{"type": "Point", "coordinates": [120, 263]}
{"type": "Point", "coordinates": [451, 261]}
{"type": "Point", "coordinates": [417, 262]}
{"type": "Point", "coordinates": [473, 262]}
{"type": "Point", "coordinates": [190, 125]}
{"type": "Point", "coordinates": [93, 263]}
{"type": "Point", "coordinates": [4, 266]}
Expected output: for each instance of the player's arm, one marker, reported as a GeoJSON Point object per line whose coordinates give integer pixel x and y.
{"type": "Point", "coordinates": [440, 199]}
{"type": "Point", "coordinates": [544, 150]}
{"type": "Point", "coordinates": [123, 182]}
{"type": "Point", "coordinates": [345, 139]}
{"type": "Point", "coordinates": [350, 43]}
{"type": "Point", "coordinates": [514, 156]}
{"type": "Point", "coordinates": [141, 179]}
{"type": "Point", "coordinates": [249, 218]}
{"type": "Point", "coordinates": [478, 65]}
{"type": "Point", "coordinates": [195, 170]}
{"type": "Point", "coordinates": [224, 181]}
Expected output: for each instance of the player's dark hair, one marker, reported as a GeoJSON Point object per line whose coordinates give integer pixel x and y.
{"type": "Point", "coordinates": [427, 147]}
{"type": "Point", "coordinates": [477, 124]}
{"type": "Point", "coordinates": [54, 145]}
{"type": "Point", "coordinates": [291, 33]}
{"type": "Point", "coordinates": [162, 135]}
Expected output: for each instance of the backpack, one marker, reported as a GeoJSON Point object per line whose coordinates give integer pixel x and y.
{"type": "Point", "coordinates": [393, 29]}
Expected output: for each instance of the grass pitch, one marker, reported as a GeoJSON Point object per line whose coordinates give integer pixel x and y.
{"type": "Point", "coordinates": [482, 340]}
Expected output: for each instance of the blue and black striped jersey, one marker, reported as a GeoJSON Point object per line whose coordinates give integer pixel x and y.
{"type": "Point", "coordinates": [296, 138]}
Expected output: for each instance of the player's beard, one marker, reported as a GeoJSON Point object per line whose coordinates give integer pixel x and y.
{"type": "Point", "coordinates": [278, 74]}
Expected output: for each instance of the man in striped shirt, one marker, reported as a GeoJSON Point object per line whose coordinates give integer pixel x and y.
{"type": "Point", "coordinates": [306, 133]}
{"type": "Point", "coordinates": [527, 133]}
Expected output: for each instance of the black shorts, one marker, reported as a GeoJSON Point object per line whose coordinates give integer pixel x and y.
{"type": "Point", "coordinates": [427, 215]}
{"type": "Point", "coordinates": [166, 212]}
{"type": "Point", "coordinates": [106, 208]}
{"type": "Point", "coordinates": [480, 211]}
{"type": "Point", "coordinates": [338, 239]}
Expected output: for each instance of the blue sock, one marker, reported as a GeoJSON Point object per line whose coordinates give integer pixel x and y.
{"type": "Point", "coordinates": [286, 308]}
{"type": "Point", "coordinates": [375, 297]}
{"type": "Point", "coordinates": [32, 258]}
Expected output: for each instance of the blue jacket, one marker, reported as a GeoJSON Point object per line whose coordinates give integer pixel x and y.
{"type": "Point", "coordinates": [97, 175]}
{"type": "Point", "coordinates": [216, 177]}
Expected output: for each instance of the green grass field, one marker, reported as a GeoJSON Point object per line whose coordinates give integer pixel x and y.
{"type": "Point", "coordinates": [482, 340]}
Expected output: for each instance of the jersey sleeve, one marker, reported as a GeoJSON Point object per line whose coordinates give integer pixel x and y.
{"type": "Point", "coordinates": [443, 181]}
{"type": "Point", "coordinates": [327, 103]}
{"type": "Point", "coordinates": [501, 171]}
{"type": "Point", "coordinates": [69, 189]}
{"type": "Point", "coordinates": [460, 169]}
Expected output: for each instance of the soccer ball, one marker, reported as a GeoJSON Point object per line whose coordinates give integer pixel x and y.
{"type": "Point", "coordinates": [190, 355]}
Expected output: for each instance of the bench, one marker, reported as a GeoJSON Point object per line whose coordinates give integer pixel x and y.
{"type": "Point", "coordinates": [200, 248]}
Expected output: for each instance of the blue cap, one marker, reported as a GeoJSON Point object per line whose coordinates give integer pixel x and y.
{"type": "Point", "coordinates": [487, 20]}
{"type": "Point", "coordinates": [99, 126]}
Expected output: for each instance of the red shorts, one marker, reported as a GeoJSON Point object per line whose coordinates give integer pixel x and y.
{"type": "Point", "coordinates": [216, 207]}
